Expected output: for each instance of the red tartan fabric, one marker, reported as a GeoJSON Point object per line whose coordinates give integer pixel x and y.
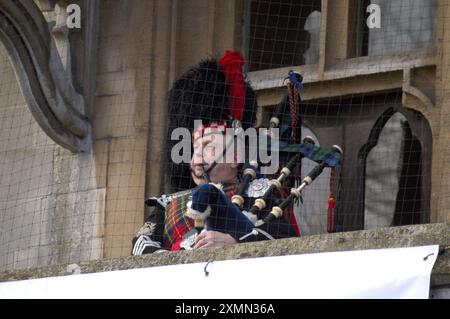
{"type": "Point", "coordinates": [176, 224]}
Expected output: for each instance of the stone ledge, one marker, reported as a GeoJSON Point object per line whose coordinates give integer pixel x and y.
{"type": "Point", "coordinates": [408, 236]}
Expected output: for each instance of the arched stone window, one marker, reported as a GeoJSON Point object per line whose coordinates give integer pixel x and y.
{"type": "Point", "coordinates": [394, 191]}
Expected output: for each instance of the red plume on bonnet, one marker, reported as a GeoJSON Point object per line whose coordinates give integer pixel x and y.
{"type": "Point", "coordinates": [231, 65]}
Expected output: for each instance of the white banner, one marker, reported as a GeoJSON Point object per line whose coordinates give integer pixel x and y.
{"type": "Point", "coordinates": [384, 273]}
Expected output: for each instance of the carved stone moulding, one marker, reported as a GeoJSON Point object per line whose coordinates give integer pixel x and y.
{"type": "Point", "coordinates": [48, 88]}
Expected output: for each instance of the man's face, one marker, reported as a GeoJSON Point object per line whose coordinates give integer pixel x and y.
{"type": "Point", "coordinates": [207, 150]}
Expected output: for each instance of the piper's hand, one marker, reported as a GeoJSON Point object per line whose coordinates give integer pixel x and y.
{"type": "Point", "coordinates": [209, 239]}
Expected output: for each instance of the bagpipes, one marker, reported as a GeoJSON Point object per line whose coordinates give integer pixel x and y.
{"type": "Point", "coordinates": [210, 207]}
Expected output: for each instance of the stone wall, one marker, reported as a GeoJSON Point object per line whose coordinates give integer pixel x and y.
{"type": "Point", "coordinates": [59, 207]}
{"type": "Point", "coordinates": [121, 115]}
{"type": "Point", "coordinates": [51, 203]}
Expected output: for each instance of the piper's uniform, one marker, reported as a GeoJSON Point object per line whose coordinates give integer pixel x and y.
{"type": "Point", "coordinates": [169, 229]}
{"type": "Point", "coordinates": [214, 92]}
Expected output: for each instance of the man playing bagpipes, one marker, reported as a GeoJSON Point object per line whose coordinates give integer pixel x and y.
{"type": "Point", "coordinates": [224, 202]}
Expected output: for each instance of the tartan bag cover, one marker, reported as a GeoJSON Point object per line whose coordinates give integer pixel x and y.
{"type": "Point", "coordinates": [175, 223]}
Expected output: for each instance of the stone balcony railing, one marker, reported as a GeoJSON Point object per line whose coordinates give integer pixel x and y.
{"type": "Point", "coordinates": [408, 236]}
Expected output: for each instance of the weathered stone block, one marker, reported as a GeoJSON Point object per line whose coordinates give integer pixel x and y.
{"type": "Point", "coordinates": [24, 226]}
{"type": "Point", "coordinates": [116, 83]}
{"type": "Point", "coordinates": [124, 175]}
{"type": "Point", "coordinates": [131, 149]}
{"type": "Point", "coordinates": [114, 116]}
{"type": "Point", "coordinates": [81, 172]}
{"type": "Point", "coordinates": [110, 54]}
{"type": "Point", "coordinates": [112, 17]}
{"type": "Point", "coordinates": [25, 174]}
{"type": "Point", "coordinates": [78, 219]}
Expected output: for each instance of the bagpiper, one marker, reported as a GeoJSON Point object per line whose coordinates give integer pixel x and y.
{"type": "Point", "coordinates": [212, 201]}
